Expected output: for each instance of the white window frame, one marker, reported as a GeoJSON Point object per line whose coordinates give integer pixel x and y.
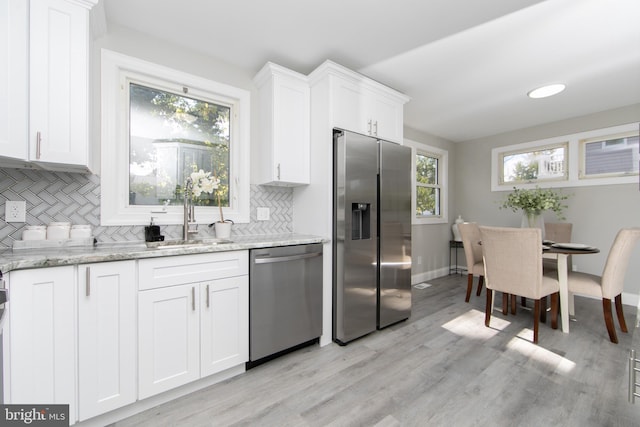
{"type": "Point", "coordinates": [573, 161]}
{"type": "Point", "coordinates": [443, 171]}
{"type": "Point", "coordinates": [117, 71]}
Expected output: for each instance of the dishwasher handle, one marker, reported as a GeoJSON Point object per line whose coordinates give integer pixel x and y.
{"type": "Point", "coordinates": [271, 259]}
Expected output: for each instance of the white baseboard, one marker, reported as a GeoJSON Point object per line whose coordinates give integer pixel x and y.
{"type": "Point", "coordinates": [428, 275]}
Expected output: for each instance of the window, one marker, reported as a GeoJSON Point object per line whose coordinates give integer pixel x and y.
{"type": "Point", "coordinates": [597, 157]}
{"type": "Point", "coordinates": [427, 185]}
{"type": "Point", "coordinates": [171, 136]}
{"type": "Point", "coordinates": [615, 155]}
{"type": "Point", "coordinates": [541, 164]}
{"type": "Point", "coordinates": [159, 125]}
{"type": "Point", "coordinates": [429, 190]}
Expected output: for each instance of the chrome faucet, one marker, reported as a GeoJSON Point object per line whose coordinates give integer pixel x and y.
{"type": "Point", "coordinates": [189, 226]}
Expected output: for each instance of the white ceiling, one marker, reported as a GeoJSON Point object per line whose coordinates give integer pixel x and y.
{"type": "Point", "coordinates": [466, 64]}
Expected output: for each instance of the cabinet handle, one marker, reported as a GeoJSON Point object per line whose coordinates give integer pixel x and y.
{"type": "Point", "coordinates": [193, 298]}
{"type": "Point", "coordinates": [375, 128]}
{"type": "Point", "coordinates": [278, 168]}
{"type": "Point", "coordinates": [38, 142]}
{"type": "Point", "coordinates": [207, 296]}
{"type": "Point", "coordinates": [88, 281]}
{"type": "Point", "coordinates": [369, 126]}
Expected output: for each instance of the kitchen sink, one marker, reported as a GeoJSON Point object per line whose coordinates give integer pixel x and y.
{"type": "Point", "coordinates": [174, 244]}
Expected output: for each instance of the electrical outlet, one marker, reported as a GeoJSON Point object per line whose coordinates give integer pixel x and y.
{"type": "Point", "coordinates": [262, 214]}
{"type": "Point", "coordinates": [15, 211]}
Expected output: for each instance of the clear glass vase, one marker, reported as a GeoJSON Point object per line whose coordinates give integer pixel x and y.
{"type": "Point", "coordinates": [533, 220]}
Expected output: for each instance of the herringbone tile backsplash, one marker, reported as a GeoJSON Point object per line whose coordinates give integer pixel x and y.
{"type": "Point", "coordinates": [60, 196]}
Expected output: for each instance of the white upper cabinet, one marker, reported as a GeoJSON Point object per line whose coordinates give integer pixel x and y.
{"type": "Point", "coordinates": [44, 52]}
{"type": "Point", "coordinates": [14, 72]}
{"type": "Point", "coordinates": [362, 105]}
{"type": "Point", "coordinates": [59, 84]}
{"type": "Point", "coordinates": [281, 149]}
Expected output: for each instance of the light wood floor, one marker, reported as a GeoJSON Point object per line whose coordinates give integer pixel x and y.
{"type": "Point", "coordinates": [442, 367]}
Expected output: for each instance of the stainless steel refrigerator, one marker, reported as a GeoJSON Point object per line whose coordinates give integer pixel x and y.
{"type": "Point", "coordinates": [371, 235]}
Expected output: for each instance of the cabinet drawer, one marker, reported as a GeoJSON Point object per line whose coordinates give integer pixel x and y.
{"type": "Point", "coordinates": [178, 270]}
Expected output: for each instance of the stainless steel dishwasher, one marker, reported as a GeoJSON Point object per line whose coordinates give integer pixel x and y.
{"type": "Point", "coordinates": [285, 300]}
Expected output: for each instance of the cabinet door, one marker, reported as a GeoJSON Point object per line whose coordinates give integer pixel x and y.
{"type": "Point", "coordinates": [291, 130]}
{"type": "Point", "coordinates": [59, 63]}
{"type": "Point", "coordinates": [224, 324]}
{"type": "Point", "coordinates": [350, 108]}
{"type": "Point", "coordinates": [386, 117]}
{"type": "Point", "coordinates": [14, 25]}
{"type": "Point", "coordinates": [107, 338]}
{"type": "Point", "coordinates": [168, 338]}
{"type": "Point", "coordinates": [42, 337]}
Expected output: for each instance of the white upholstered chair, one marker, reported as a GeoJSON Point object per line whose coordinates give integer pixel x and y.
{"type": "Point", "coordinates": [609, 286]}
{"type": "Point", "coordinates": [470, 234]}
{"type": "Point", "coordinates": [513, 265]}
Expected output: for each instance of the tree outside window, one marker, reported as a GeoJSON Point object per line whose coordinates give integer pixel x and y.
{"type": "Point", "coordinates": [170, 136]}
{"type": "Point", "coordinates": [428, 185]}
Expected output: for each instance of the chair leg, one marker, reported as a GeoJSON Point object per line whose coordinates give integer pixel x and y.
{"type": "Point", "coordinates": [620, 313]}
{"type": "Point", "coordinates": [555, 298]}
{"type": "Point", "coordinates": [543, 309]}
{"type": "Point", "coordinates": [487, 310]}
{"type": "Point", "coordinates": [505, 303]}
{"type": "Point", "coordinates": [480, 282]}
{"type": "Point", "coordinates": [608, 320]}
{"type": "Point", "coordinates": [469, 287]}
{"type": "Point", "coordinates": [513, 304]}
{"type": "Point", "coordinates": [536, 320]}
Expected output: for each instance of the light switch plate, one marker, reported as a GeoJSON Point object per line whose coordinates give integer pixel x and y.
{"type": "Point", "coordinates": [262, 214]}
{"type": "Point", "coordinates": [15, 211]}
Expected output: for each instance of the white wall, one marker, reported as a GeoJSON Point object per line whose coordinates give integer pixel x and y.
{"type": "Point", "coordinates": [597, 212]}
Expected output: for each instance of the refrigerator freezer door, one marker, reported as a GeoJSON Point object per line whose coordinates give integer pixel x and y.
{"type": "Point", "coordinates": [355, 236]}
{"type": "Point", "coordinates": [395, 233]}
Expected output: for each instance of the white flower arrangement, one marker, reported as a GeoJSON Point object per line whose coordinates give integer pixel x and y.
{"type": "Point", "coordinates": [203, 182]}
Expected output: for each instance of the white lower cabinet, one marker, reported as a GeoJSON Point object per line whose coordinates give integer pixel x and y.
{"type": "Point", "coordinates": [224, 324]}
{"type": "Point", "coordinates": [168, 338]}
{"type": "Point", "coordinates": [101, 336]}
{"type": "Point", "coordinates": [42, 325]}
{"type": "Point", "coordinates": [106, 337]}
{"type": "Point", "coordinates": [192, 318]}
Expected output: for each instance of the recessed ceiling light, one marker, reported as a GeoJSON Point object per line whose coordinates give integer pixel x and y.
{"type": "Point", "coordinates": [545, 91]}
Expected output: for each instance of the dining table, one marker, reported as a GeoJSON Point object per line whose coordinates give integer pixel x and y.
{"type": "Point", "coordinates": [561, 252]}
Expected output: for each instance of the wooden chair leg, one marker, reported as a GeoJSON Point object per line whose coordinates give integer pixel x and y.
{"type": "Point", "coordinates": [608, 320]}
{"type": "Point", "coordinates": [620, 313]}
{"type": "Point", "coordinates": [513, 304]}
{"type": "Point", "coordinates": [469, 287]}
{"type": "Point", "coordinates": [480, 282]}
{"type": "Point", "coordinates": [543, 309]}
{"type": "Point", "coordinates": [505, 302]}
{"type": "Point", "coordinates": [555, 298]}
{"type": "Point", "coordinates": [487, 310]}
{"type": "Point", "coordinates": [536, 320]}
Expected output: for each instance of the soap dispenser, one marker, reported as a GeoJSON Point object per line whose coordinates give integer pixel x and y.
{"type": "Point", "coordinates": [152, 233]}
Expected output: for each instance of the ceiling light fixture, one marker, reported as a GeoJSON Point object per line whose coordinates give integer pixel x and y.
{"type": "Point", "coordinates": [545, 91]}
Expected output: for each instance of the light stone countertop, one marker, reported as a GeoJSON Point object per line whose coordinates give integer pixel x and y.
{"type": "Point", "coordinates": [103, 252]}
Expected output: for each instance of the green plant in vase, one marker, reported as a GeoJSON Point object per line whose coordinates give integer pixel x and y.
{"type": "Point", "coordinates": [532, 202]}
